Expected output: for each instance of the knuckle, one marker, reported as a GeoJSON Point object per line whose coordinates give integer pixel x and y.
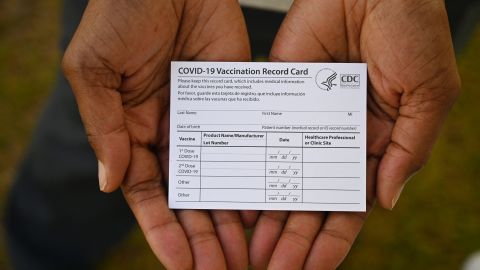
{"type": "Point", "coordinates": [200, 237]}
{"type": "Point", "coordinates": [297, 238]}
{"type": "Point", "coordinates": [93, 133]}
{"type": "Point", "coordinates": [416, 161]}
{"type": "Point", "coordinates": [144, 191]}
{"type": "Point", "coordinates": [90, 68]}
{"type": "Point", "coordinates": [160, 227]}
{"type": "Point", "coordinates": [337, 235]}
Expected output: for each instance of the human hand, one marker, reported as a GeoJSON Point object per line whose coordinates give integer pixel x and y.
{"type": "Point", "coordinates": [413, 82]}
{"type": "Point", "coordinates": [118, 65]}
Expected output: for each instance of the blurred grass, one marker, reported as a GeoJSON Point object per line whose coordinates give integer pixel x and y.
{"type": "Point", "coordinates": [29, 31]}
{"type": "Point", "coordinates": [436, 223]}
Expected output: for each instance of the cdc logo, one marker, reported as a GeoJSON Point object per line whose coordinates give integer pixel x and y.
{"type": "Point", "coordinates": [350, 80]}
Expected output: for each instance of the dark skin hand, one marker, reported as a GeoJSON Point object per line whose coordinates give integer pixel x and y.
{"type": "Point", "coordinates": [413, 82]}
{"type": "Point", "coordinates": [118, 65]}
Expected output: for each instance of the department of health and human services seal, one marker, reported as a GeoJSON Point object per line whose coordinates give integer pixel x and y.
{"type": "Point", "coordinates": [326, 79]}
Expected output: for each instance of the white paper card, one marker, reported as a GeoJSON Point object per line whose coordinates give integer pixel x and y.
{"type": "Point", "coordinates": [268, 136]}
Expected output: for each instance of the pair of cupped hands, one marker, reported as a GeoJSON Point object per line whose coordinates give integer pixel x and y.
{"type": "Point", "coordinates": [118, 65]}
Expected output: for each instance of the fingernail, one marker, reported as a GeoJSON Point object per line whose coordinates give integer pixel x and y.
{"type": "Point", "coordinates": [397, 196]}
{"type": "Point", "coordinates": [102, 176]}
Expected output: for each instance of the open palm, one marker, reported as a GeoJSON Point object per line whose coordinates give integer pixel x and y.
{"type": "Point", "coordinates": [118, 65]}
{"type": "Point", "coordinates": [413, 82]}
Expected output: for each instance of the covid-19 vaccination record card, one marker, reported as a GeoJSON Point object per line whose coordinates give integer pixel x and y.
{"type": "Point", "coordinates": [268, 136]}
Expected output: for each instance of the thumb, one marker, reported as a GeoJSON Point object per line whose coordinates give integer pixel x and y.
{"type": "Point", "coordinates": [304, 36]}
{"type": "Point", "coordinates": [94, 86]}
{"type": "Point", "coordinates": [412, 140]}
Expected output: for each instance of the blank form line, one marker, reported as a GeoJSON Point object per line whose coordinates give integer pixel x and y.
{"type": "Point", "coordinates": [276, 189]}
{"type": "Point", "coordinates": [262, 176]}
{"type": "Point", "coordinates": [240, 169]}
{"type": "Point", "coordinates": [285, 195]}
{"type": "Point", "coordinates": [283, 169]}
{"type": "Point", "coordinates": [266, 124]}
{"type": "Point", "coordinates": [265, 110]}
{"type": "Point", "coordinates": [286, 183]}
{"type": "Point", "coordinates": [240, 154]}
{"type": "Point", "coordinates": [273, 161]}
{"type": "Point", "coordinates": [332, 202]}
{"type": "Point", "coordinates": [257, 202]}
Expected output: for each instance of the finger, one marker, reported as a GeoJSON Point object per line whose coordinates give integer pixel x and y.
{"type": "Point", "coordinates": [265, 237]}
{"type": "Point", "coordinates": [228, 225]}
{"type": "Point", "coordinates": [206, 249]}
{"type": "Point", "coordinates": [229, 228]}
{"type": "Point", "coordinates": [334, 240]}
{"type": "Point", "coordinates": [101, 110]}
{"type": "Point", "coordinates": [340, 229]}
{"type": "Point", "coordinates": [249, 217]}
{"type": "Point", "coordinates": [303, 35]}
{"type": "Point", "coordinates": [217, 33]}
{"type": "Point", "coordinates": [198, 226]}
{"type": "Point", "coordinates": [145, 195]}
{"type": "Point", "coordinates": [295, 41]}
{"type": "Point", "coordinates": [296, 240]}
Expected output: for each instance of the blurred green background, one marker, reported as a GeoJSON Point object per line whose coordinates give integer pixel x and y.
{"type": "Point", "coordinates": [435, 225]}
